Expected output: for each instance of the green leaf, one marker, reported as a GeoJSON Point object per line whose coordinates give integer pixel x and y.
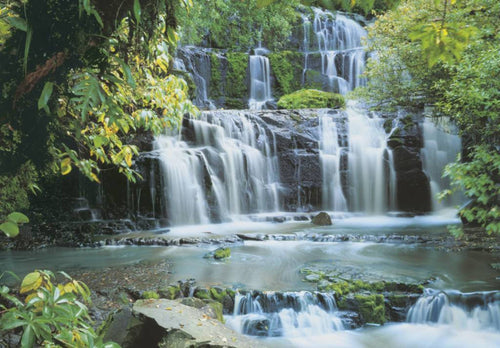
{"type": "Point", "coordinates": [17, 22]}
{"type": "Point", "coordinates": [100, 140]}
{"type": "Point", "coordinates": [45, 96]}
{"type": "Point", "coordinates": [66, 166]}
{"type": "Point", "coordinates": [137, 11]}
{"type": "Point", "coordinates": [28, 338]}
{"type": "Point", "coordinates": [127, 72]}
{"type": "Point", "coordinates": [32, 281]}
{"type": "Point", "coordinates": [10, 229]}
{"type": "Point", "coordinates": [12, 324]}
{"type": "Point", "coordinates": [264, 3]}
{"type": "Point", "coordinates": [29, 35]}
{"type": "Point", "coordinates": [18, 218]}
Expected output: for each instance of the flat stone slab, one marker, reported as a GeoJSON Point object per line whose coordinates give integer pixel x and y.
{"type": "Point", "coordinates": [176, 317]}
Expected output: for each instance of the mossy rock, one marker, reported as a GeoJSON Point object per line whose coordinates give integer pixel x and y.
{"type": "Point", "coordinates": [150, 295]}
{"type": "Point", "coordinates": [235, 103]}
{"type": "Point", "coordinates": [202, 293]}
{"type": "Point", "coordinates": [286, 67]}
{"type": "Point", "coordinates": [310, 99]}
{"type": "Point", "coordinates": [322, 219]}
{"type": "Point", "coordinates": [218, 294]}
{"type": "Point", "coordinates": [237, 74]}
{"type": "Point", "coordinates": [371, 308]}
{"type": "Point", "coordinates": [219, 254]}
{"type": "Point", "coordinates": [171, 292]}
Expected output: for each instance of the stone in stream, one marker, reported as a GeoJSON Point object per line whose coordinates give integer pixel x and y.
{"type": "Point", "coordinates": [322, 219]}
{"type": "Point", "coordinates": [219, 254]}
{"type": "Point", "coordinates": [183, 326]}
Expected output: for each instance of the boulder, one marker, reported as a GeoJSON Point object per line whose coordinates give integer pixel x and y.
{"type": "Point", "coordinates": [184, 326]}
{"type": "Point", "coordinates": [322, 219]}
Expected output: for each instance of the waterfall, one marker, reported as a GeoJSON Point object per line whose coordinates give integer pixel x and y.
{"type": "Point", "coordinates": [289, 314]}
{"type": "Point", "coordinates": [371, 169]}
{"type": "Point", "coordinates": [330, 155]}
{"type": "Point", "coordinates": [471, 311]}
{"type": "Point", "coordinates": [260, 80]}
{"type": "Point", "coordinates": [339, 42]}
{"type": "Point", "coordinates": [228, 168]}
{"type": "Point", "coordinates": [441, 146]}
{"type": "Point", "coordinates": [197, 63]}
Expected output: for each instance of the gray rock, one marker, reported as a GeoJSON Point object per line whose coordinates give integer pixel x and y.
{"type": "Point", "coordinates": [322, 219]}
{"type": "Point", "coordinates": [185, 326]}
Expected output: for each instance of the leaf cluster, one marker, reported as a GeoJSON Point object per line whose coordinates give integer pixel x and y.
{"type": "Point", "coordinates": [49, 314]}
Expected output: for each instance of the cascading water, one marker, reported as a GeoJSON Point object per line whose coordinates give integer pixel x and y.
{"type": "Point", "coordinates": [230, 168]}
{"type": "Point", "coordinates": [330, 155]}
{"type": "Point", "coordinates": [338, 41]}
{"type": "Point", "coordinates": [371, 170]}
{"type": "Point", "coordinates": [260, 80]}
{"type": "Point", "coordinates": [289, 314]}
{"type": "Point", "coordinates": [441, 146]}
{"type": "Point", "coordinates": [471, 311]}
{"type": "Point", "coordinates": [197, 62]}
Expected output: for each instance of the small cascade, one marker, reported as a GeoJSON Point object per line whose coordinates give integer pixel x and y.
{"type": "Point", "coordinates": [289, 314]}
{"type": "Point", "coordinates": [330, 154]}
{"type": "Point", "coordinates": [470, 311]}
{"type": "Point", "coordinates": [228, 168]}
{"type": "Point", "coordinates": [441, 146]}
{"type": "Point", "coordinates": [196, 61]}
{"type": "Point", "coordinates": [260, 80]}
{"type": "Point", "coordinates": [371, 169]}
{"type": "Point", "coordinates": [339, 42]}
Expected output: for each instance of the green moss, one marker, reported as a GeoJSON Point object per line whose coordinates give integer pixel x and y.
{"type": "Point", "coordinates": [236, 74]}
{"type": "Point", "coordinates": [202, 293]}
{"type": "Point", "coordinates": [217, 294]}
{"type": "Point", "coordinates": [217, 307]}
{"type": "Point", "coordinates": [215, 76]}
{"type": "Point", "coordinates": [235, 103]}
{"type": "Point", "coordinates": [150, 295]}
{"type": "Point", "coordinates": [222, 253]}
{"type": "Point", "coordinates": [313, 79]}
{"type": "Point", "coordinates": [286, 66]}
{"type": "Point", "coordinates": [311, 98]}
{"type": "Point", "coordinates": [171, 292]}
{"type": "Point", "coordinates": [371, 308]}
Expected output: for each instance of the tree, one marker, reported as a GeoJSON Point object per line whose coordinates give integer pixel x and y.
{"type": "Point", "coordinates": [425, 55]}
{"type": "Point", "coordinates": [78, 79]}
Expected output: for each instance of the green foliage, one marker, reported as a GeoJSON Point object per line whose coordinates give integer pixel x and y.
{"type": "Point", "coordinates": [11, 225]}
{"type": "Point", "coordinates": [49, 314]}
{"type": "Point", "coordinates": [237, 74]}
{"type": "Point", "coordinates": [150, 295]}
{"type": "Point", "coordinates": [79, 79]}
{"type": "Point", "coordinates": [215, 76]}
{"type": "Point", "coordinates": [371, 308]}
{"type": "Point", "coordinates": [479, 179]}
{"type": "Point", "coordinates": [238, 25]}
{"type": "Point", "coordinates": [311, 98]}
{"type": "Point", "coordinates": [287, 67]}
{"type": "Point", "coordinates": [461, 82]}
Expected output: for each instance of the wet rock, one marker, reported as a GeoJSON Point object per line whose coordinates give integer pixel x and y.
{"type": "Point", "coordinates": [178, 325]}
{"type": "Point", "coordinates": [218, 254]}
{"type": "Point", "coordinates": [322, 219]}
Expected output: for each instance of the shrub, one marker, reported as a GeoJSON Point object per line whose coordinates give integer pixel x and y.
{"type": "Point", "coordinates": [311, 98]}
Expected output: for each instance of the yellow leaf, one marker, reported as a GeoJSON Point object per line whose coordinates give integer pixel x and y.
{"type": "Point", "coordinates": [168, 308]}
{"type": "Point", "coordinates": [95, 178]}
{"type": "Point", "coordinates": [66, 166]}
{"type": "Point", "coordinates": [31, 282]}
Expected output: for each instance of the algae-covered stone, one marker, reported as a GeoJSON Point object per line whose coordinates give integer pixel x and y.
{"type": "Point", "coordinates": [150, 295]}
{"type": "Point", "coordinates": [371, 308]}
{"type": "Point", "coordinates": [202, 293]}
{"type": "Point", "coordinates": [219, 254]}
{"type": "Point", "coordinates": [322, 219]}
{"type": "Point", "coordinates": [311, 98]}
{"type": "Point", "coordinates": [171, 292]}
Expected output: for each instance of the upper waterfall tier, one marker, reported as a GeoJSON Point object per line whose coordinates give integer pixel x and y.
{"type": "Point", "coordinates": [325, 52]}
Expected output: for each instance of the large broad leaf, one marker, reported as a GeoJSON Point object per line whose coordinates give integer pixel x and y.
{"type": "Point", "coordinates": [18, 218]}
{"type": "Point", "coordinates": [45, 96]}
{"type": "Point", "coordinates": [9, 228]}
{"type": "Point", "coordinates": [32, 281]}
{"type": "Point", "coordinates": [66, 166]}
{"type": "Point", "coordinates": [137, 11]}
{"type": "Point", "coordinates": [17, 22]}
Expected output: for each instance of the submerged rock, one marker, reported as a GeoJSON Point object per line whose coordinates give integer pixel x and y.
{"type": "Point", "coordinates": [322, 219]}
{"type": "Point", "coordinates": [219, 254]}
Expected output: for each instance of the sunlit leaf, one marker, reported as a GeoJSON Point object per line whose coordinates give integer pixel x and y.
{"type": "Point", "coordinates": [32, 281]}
{"type": "Point", "coordinates": [18, 218]}
{"type": "Point", "coordinates": [9, 228]}
{"type": "Point", "coordinates": [66, 166]}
